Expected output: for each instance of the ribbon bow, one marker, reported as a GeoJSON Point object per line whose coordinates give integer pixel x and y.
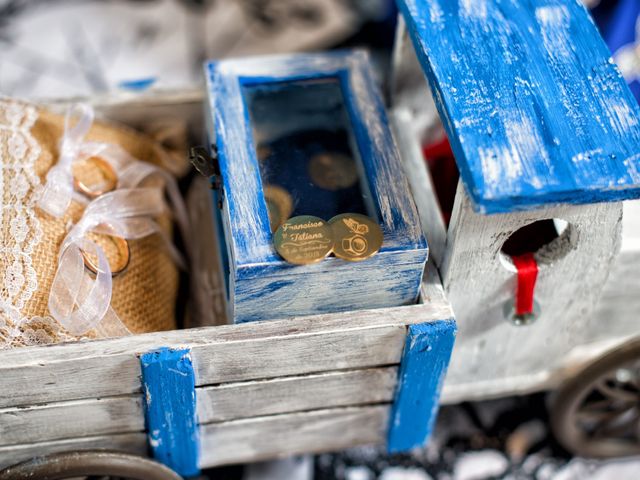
{"type": "Point", "coordinates": [77, 300]}
{"type": "Point", "coordinates": [58, 190]}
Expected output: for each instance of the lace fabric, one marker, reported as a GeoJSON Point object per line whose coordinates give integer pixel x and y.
{"type": "Point", "coordinates": [20, 228]}
{"type": "Point", "coordinates": [143, 297]}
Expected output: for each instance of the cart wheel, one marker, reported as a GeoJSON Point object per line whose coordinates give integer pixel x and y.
{"type": "Point", "coordinates": [597, 413]}
{"type": "Point", "coordinates": [89, 464]}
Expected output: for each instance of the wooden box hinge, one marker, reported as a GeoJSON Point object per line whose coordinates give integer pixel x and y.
{"type": "Point", "coordinates": [206, 163]}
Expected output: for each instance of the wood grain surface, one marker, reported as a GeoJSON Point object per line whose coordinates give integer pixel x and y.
{"type": "Point", "coordinates": [242, 440]}
{"type": "Point", "coordinates": [281, 436]}
{"type": "Point", "coordinates": [534, 107]}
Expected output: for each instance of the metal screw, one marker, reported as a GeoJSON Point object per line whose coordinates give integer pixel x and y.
{"type": "Point", "coordinates": [521, 320]}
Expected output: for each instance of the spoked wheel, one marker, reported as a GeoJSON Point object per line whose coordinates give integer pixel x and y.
{"type": "Point", "coordinates": [597, 413]}
{"type": "Point", "coordinates": [90, 464]}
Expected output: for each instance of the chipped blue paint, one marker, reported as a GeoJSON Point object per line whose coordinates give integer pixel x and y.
{"type": "Point", "coordinates": [138, 85]}
{"type": "Point", "coordinates": [337, 287]}
{"type": "Point", "coordinates": [170, 408]}
{"type": "Point", "coordinates": [258, 276]}
{"type": "Point", "coordinates": [422, 370]}
{"type": "Point", "coordinates": [535, 110]}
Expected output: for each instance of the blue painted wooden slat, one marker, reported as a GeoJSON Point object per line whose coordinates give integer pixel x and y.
{"type": "Point", "coordinates": [422, 370]}
{"type": "Point", "coordinates": [170, 408]}
{"type": "Point", "coordinates": [535, 110]}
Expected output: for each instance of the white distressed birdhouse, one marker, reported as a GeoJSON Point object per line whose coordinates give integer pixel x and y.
{"type": "Point", "coordinates": [546, 139]}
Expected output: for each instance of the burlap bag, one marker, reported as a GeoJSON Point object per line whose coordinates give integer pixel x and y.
{"type": "Point", "coordinates": [143, 296]}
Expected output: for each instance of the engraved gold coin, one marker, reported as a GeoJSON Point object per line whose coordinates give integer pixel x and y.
{"type": "Point", "coordinates": [357, 237]}
{"type": "Point", "coordinates": [279, 205]}
{"type": "Point", "coordinates": [333, 171]}
{"type": "Point", "coordinates": [303, 239]}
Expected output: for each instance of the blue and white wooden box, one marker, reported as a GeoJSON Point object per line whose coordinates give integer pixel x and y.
{"type": "Point", "coordinates": [264, 102]}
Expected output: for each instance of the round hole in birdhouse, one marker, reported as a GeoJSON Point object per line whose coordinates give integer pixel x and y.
{"type": "Point", "coordinates": [548, 240]}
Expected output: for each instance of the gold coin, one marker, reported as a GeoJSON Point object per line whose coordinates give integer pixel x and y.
{"type": "Point", "coordinates": [357, 237]}
{"type": "Point", "coordinates": [303, 239]}
{"type": "Point", "coordinates": [333, 171]}
{"type": "Point", "coordinates": [263, 151]}
{"type": "Point", "coordinates": [279, 205]}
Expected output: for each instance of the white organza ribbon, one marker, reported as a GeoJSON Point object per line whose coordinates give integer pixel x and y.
{"type": "Point", "coordinates": [58, 190]}
{"type": "Point", "coordinates": [77, 300]}
{"type": "Point", "coordinates": [133, 173]}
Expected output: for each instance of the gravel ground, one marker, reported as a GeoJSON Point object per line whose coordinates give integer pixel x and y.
{"type": "Point", "coordinates": [501, 439]}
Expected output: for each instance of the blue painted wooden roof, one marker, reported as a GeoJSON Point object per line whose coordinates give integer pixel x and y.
{"type": "Point", "coordinates": [535, 110]}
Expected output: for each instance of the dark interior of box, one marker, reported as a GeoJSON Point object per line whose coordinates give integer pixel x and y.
{"type": "Point", "coordinates": [308, 158]}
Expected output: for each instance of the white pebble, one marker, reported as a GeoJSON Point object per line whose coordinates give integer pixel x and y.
{"type": "Point", "coordinates": [478, 465]}
{"type": "Point", "coordinates": [358, 473]}
{"type": "Point", "coordinates": [399, 473]}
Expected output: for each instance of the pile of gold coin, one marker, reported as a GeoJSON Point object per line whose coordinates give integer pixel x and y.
{"type": "Point", "coordinates": [279, 205]}
{"type": "Point", "coordinates": [333, 171]}
{"type": "Point", "coordinates": [307, 239]}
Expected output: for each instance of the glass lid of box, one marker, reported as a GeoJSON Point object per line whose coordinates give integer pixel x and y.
{"type": "Point", "coordinates": [308, 159]}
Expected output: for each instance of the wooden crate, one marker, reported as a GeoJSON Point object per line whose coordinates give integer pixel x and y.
{"type": "Point", "coordinates": [263, 390]}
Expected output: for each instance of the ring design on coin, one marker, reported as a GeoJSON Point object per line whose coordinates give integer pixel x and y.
{"type": "Point", "coordinates": [357, 237]}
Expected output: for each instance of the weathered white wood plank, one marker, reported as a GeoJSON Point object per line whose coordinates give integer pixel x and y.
{"type": "Point", "coordinates": [245, 440]}
{"type": "Point", "coordinates": [432, 290]}
{"type": "Point", "coordinates": [295, 394]}
{"type": "Point", "coordinates": [78, 418]}
{"type": "Point", "coordinates": [222, 354]}
{"type": "Point", "coordinates": [135, 443]}
{"type": "Point", "coordinates": [124, 414]}
{"type": "Point", "coordinates": [139, 109]}
{"type": "Point", "coordinates": [283, 435]}
{"type": "Point", "coordinates": [207, 291]}
{"type": "Point", "coordinates": [414, 120]}
{"type": "Point", "coordinates": [300, 354]}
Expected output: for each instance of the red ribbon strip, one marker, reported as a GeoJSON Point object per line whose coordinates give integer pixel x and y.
{"type": "Point", "coordinates": [439, 148]}
{"type": "Point", "coordinates": [527, 268]}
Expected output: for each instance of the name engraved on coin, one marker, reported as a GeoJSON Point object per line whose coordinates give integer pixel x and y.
{"type": "Point", "coordinates": [333, 171]}
{"type": "Point", "coordinates": [356, 237]}
{"type": "Point", "coordinates": [279, 205]}
{"type": "Point", "coordinates": [303, 240]}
